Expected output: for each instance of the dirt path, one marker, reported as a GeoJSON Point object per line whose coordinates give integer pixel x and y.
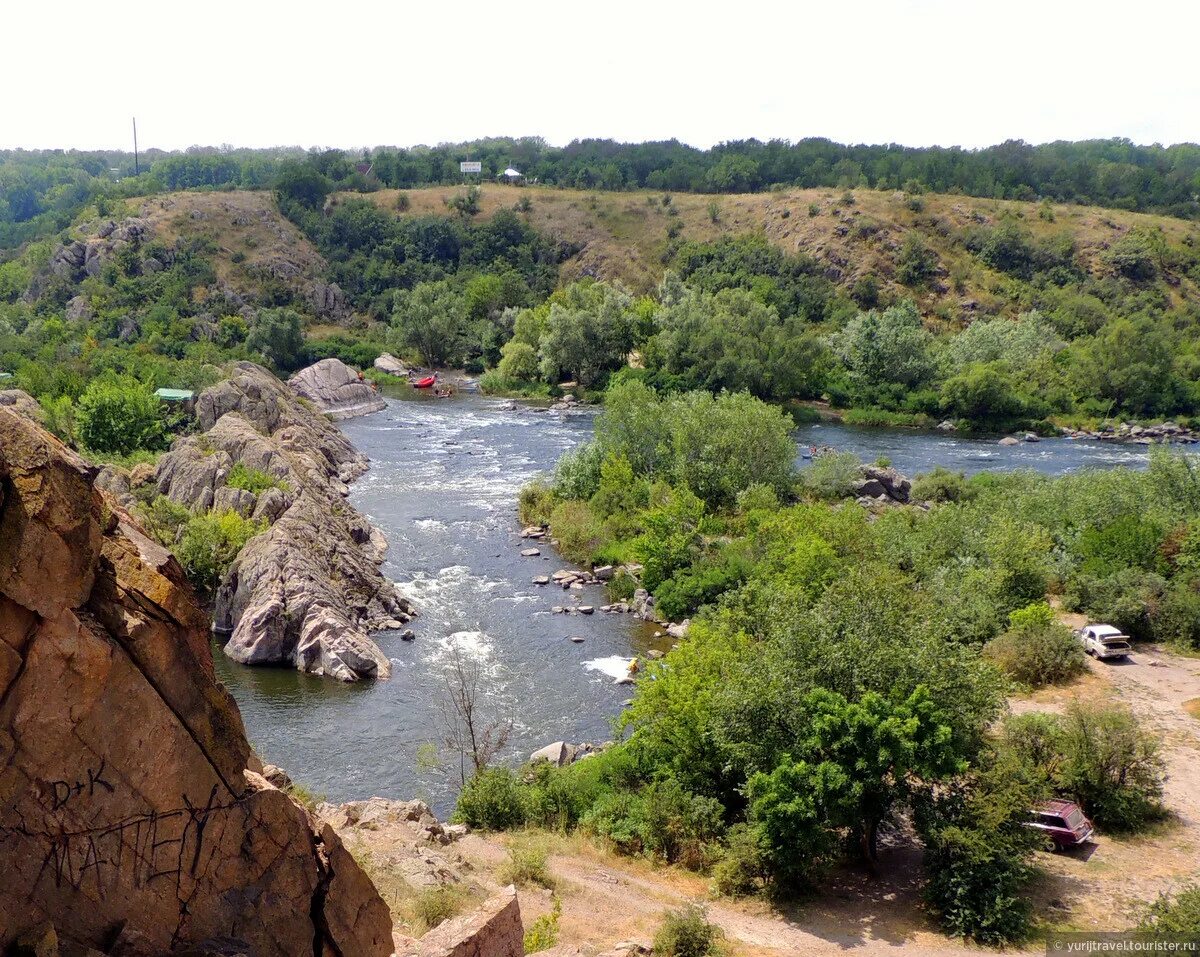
{"type": "Point", "coordinates": [1105, 887]}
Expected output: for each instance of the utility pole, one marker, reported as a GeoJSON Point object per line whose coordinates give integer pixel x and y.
{"type": "Point", "coordinates": [136, 168]}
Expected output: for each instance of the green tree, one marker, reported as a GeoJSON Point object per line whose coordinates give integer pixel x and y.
{"type": "Point", "coordinates": [887, 348]}
{"type": "Point", "coordinates": [118, 416]}
{"type": "Point", "coordinates": [275, 334]}
{"type": "Point", "coordinates": [431, 319]}
{"type": "Point", "coordinates": [588, 334]}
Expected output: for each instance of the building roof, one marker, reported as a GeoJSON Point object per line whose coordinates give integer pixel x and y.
{"type": "Point", "coordinates": [512, 172]}
{"type": "Point", "coordinates": [6, 375]}
{"type": "Point", "coordinates": [174, 395]}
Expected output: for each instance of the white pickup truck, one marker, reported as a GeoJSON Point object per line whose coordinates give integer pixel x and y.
{"type": "Point", "coordinates": [1104, 641]}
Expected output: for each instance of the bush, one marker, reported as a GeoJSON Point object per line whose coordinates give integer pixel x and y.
{"type": "Point", "coordinates": [916, 263]}
{"type": "Point", "coordinates": [687, 933]}
{"type": "Point", "coordinates": [1174, 917]}
{"type": "Point", "coordinates": [252, 480]}
{"type": "Point", "coordinates": [535, 503]}
{"type": "Point", "coordinates": [939, 485]}
{"type": "Point", "coordinates": [118, 416]}
{"type": "Point", "coordinates": [686, 591]}
{"type": "Point", "coordinates": [578, 531]}
{"type": "Point", "coordinates": [209, 544]}
{"type": "Point", "coordinates": [493, 800]}
{"type": "Point", "coordinates": [1037, 649]}
{"type": "Point", "coordinates": [1111, 766]}
{"type": "Point", "coordinates": [742, 869]}
{"type": "Point", "coordinates": [543, 932]}
{"type": "Point", "coordinates": [435, 906]}
{"type": "Point", "coordinates": [526, 865]}
{"type": "Point", "coordinates": [832, 475]}
{"type": "Point", "coordinates": [577, 474]}
{"type": "Point", "coordinates": [977, 852]}
{"type": "Point", "coordinates": [662, 820]}
{"type": "Point", "coordinates": [1097, 755]}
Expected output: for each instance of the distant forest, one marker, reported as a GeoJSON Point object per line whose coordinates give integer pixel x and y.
{"type": "Point", "coordinates": [41, 190]}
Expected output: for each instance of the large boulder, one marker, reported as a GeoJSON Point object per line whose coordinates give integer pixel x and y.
{"type": "Point", "coordinates": [125, 803]}
{"type": "Point", "coordinates": [21, 402]}
{"type": "Point", "coordinates": [307, 591]}
{"type": "Point", "coordinates": [391, 365]}
{"type": "Point", "coordinates": [336, 389]}
{"type": "Point", "coordinates": [493, 929]}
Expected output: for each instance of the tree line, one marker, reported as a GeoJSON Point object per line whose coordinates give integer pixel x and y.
{"type": "Point", "coordinates": [41, 189]}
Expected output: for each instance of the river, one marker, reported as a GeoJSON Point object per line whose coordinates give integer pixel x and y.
{"type": "Point", "coordinates": [443, 486]}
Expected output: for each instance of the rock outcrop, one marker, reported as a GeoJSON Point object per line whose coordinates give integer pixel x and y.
{"type": "Point", "coordinates": [21, 402]}
{"type": "Point", "coordinates": [127, 815]}
{"type": "Point", "coordinates": [491, 930]}
{"type": "Point", "coordinates": [336, 389]}
{"type": "Point", "coordinates": [307, 591]}
{"type": "Point", "coordinates": [390, 364]}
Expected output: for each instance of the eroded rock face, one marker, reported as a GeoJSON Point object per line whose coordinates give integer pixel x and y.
{"type": "Point", "coordinates": [307, 591]}
{"type": "Point", "coordinates": [336, 389]}
{"type": "Point", "coordinates": [125, 803]}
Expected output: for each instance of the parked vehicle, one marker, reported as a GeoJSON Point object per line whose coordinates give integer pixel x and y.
{"type": "Point", "coordinates": [1104, 641]}
{"type": "Point", "coordinates": [1062, 822]}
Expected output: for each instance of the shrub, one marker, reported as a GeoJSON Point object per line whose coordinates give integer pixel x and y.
{"type": "Point", "coordinates": [742, 869]}
{"type": "Point", "coordinates": [687, 933]}
{"type": "Point", "coordinates": [543, 932]}
{"type": "Point", "coordinates": [832, 475]}
{"type": "Point", "coordinates": [939, 485]}
{"type": "Point", "coordinates": [1111, 766]}
{"type": "Point", "coordinates": [209, 544]}
{"type": "Point", "coordinates": [686, 591]}
{"type": "Point", "coordinates": [977, 852]}
{"type": "Point", "coordinates": [518, 361]}
{"type": "Point", "coordinates": [1037, 649]}
{"type": "Point", "coordinates": [577, 474]}
{"type": "Point", "coordinates": [118, 416]}
{"type": "Point", "coordinates": [252, 480]}
{"type": "Point", "coordinates": [578, 531]}
{"type": "Point", "coordinates": [526, 865]}
{"type": "Point", "coordinates": [916, 263]}
{"type": "Point", "coordinates": [1123, 599]}
{"type": "Point", "coordinates": [436, 905]}
{"type": "Point", "coordinates": [662, 820]}
{"type": "Point", "coordinates": [1099, 756]}
{"type": "Point", "coordinates": [1174, 917]}
{"type": "Point", "coordinates": [493, 800]}
{"type": "Point", "coordinates": [535, 503]}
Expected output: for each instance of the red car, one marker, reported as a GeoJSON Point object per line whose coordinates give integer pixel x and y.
{"type": "Point", "coordinates": [1063, 823]}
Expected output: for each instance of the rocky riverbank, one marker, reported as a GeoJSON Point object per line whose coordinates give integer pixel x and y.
{"type": "Point", "coordinates": [307, 591]}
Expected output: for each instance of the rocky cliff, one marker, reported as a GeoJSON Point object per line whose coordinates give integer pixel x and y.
{"type": "Point", "coordinates": [128, 819]}
{"type": "Point", "coordinates": [308, 590]}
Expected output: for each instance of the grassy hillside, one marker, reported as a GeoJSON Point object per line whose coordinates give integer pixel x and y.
{"type": "Point", "coordinates": [625, 236]}
{"type": "Point", "coordinates": [251, 243]}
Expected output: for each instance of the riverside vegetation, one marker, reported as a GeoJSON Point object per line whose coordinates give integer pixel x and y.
{"type": "Point", "coordinates": [844, 676]}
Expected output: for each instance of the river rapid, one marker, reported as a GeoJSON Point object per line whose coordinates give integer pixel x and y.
{"type": "Point", "coordinates": [443, 485]}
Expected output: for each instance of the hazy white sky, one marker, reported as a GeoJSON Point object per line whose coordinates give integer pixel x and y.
{"type": "Point", "coordinates": [367, 72]}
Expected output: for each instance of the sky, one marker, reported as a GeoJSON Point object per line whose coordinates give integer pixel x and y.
{"type": "Point", "coordinates": [264, 73]}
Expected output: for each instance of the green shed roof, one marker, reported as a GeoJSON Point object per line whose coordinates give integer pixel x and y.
{"type": "Point", "coordinates": [174, 395]}
{"type": "Point", "coordinates": [5, 375]}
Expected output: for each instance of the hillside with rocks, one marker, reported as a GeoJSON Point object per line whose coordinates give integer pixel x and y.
{"type": "Point", "coordinates": [628, 236]}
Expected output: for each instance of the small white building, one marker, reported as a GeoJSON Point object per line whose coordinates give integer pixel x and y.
{"type": "Point", "coordinates": [511, 175]}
